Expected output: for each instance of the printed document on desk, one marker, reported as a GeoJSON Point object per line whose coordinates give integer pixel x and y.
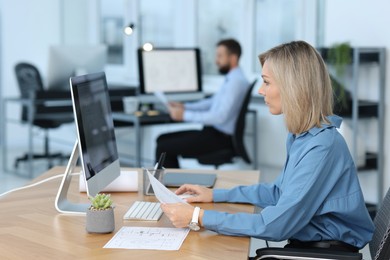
{"type": "Point", "coordinates": [163, 194]}
{"type": "Point", "coordinates": [152, 238]}
{"type": "Point", "coordinates": [148, 238]}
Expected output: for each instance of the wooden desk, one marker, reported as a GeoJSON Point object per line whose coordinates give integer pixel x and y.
{"type": "Point", "coordinates": [31, 228]}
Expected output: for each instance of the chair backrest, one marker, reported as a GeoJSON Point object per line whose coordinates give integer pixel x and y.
{"type": "Point", "coordinates": [238, 137]}
{"type": "Point", "coordinates": [380, 243]}
{"type": "Point", "coordinates": [29, 81]}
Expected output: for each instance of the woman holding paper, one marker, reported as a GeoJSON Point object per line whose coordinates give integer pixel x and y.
{"type": "Point", "coordinates": [317, 196]}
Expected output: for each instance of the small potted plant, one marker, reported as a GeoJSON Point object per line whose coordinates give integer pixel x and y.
{"type": "Point", "coordinates": [340, 55]}
{"type": "Point", "coordinates": [100, 216]}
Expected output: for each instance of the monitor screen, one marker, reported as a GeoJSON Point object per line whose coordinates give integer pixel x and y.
{"type": "Point", "coordinates": [95, 130]}
{"type": "Point", "coordinates": [169, 70]}
{"type": "Point", "coordinates": [73, 60]}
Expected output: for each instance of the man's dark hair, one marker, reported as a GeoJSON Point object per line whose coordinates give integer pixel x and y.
{"type": "Point", "coordinates": [232, 45]}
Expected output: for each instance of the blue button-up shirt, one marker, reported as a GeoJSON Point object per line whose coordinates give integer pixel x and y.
{"type": "Point", "coordinates": [222, 109]}
{"type": "Point", "coordinates": [316, 197]}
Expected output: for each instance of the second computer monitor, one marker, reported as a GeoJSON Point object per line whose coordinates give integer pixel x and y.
{"type": "Point", "coordinates": [67, 61]}
{"type": "Point", "coordinates": [169, 70]}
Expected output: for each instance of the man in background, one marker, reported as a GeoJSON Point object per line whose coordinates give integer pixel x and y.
{"type": "Point", "coordinates": [218, 113]}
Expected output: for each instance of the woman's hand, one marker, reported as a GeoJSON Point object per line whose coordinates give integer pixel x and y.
{"type": "Point", "coordinates": [201, 193]}
{"type": "Point", "coordinates": [180, 214]}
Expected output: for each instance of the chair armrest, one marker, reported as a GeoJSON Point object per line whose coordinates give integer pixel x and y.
{"type": "Point", "coordinates": [295, 253]}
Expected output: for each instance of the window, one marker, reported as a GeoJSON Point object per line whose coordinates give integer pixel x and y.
{"type": "Point", "coordinates": [257, 24]}
{"type": "Point", "coordinates": [112, 24]}
{"type": "Point", "coordinates": [276, 23]}
{"type": "Point", "coordinates": [217, 20]}
{"type": "Point", "coordinates": [153, 21]}
{"type": "Point", "coordinates": [156, 22]}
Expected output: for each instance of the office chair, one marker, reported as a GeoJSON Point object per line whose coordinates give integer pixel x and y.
{"type": "Point", "coordinates": [43, 116]}
{"type": "Point", "coordinates": [217, 158]}
{"type": "Point", "coordinates": [379, 245]}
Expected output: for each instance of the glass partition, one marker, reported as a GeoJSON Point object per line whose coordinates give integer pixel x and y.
{"type": "Point", "coordinates": [217, 20]}
{"type": "Point", "coordinates": [156, 22]}
{"type": "Point", "coordinates": [112, 23]}
{"type": "Point", "coordinates": [276, 22]}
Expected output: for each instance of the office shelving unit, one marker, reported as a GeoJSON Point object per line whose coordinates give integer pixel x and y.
{"type": "Point", "coordinates": [360, 109]}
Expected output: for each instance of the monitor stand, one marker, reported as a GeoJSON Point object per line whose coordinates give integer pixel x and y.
{"type": "Point", "coordinates": [62, 203]}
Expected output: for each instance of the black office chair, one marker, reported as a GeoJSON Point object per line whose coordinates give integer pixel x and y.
{"type": "Point", "coordinates": [379, 245]}
{"type": "Point", "coordinates": [43, 116]}
{"type": "Point", "coordinates": [217, 158]}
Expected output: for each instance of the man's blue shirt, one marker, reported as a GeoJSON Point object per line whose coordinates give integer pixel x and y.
{"type": "Point", "coordinates": [316, 197]}
{"type": "Point", "coordinates": [222, 109]}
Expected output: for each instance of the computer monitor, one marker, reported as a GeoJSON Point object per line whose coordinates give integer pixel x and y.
{"type": "Point", "coordinates": [169, 70]}
{"type": "Point", "coordinates": [66, 61]}
{"type": "Point", "coordinates": [96, 143]}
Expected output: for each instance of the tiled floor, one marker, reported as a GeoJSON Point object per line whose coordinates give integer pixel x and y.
{"type": "Point", "coordinates": [10, 180]}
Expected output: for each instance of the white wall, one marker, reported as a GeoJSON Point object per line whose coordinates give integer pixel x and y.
{"type": "Point", "coordinates": [76, 30]}
{"type": "Point", "coordinates": [363, 24]}
{"type": "Point", "coordinates": [28, 29]}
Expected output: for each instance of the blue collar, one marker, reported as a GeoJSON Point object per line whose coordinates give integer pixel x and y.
{"type": "Point", "coordinates": [335, 121]}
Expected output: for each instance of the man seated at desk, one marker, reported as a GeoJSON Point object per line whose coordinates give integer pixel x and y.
{"type": "Point", "coordinates": [218, 113]}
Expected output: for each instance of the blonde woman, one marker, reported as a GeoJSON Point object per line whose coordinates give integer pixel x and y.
{"type": "Point", "coordinates": [317, 200]}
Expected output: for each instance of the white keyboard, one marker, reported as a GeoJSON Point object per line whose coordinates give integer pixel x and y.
{"type": "Point", "coordinates": [143, 210]}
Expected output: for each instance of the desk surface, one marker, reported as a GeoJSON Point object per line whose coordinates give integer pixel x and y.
{"type": "Point", "coordinates": [30, 227]}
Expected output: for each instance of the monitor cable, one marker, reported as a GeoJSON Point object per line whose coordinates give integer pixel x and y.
{"type": "Point", "coordinates": [36, 183]}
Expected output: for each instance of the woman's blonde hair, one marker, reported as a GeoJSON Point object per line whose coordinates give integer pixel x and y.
{"type": "Point", "coordinates": [305, 87]}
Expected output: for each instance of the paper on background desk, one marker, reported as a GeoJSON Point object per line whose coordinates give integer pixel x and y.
{"type": "Point", "coordinates": [163, 194]}
{"type": "Point", "coordinates": [148, 238]}
{"type": "Point", "coordinates": [160, 96]}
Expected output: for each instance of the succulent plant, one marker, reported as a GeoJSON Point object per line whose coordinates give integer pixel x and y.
{"type": "Point", "coordinates": [101, 201]}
